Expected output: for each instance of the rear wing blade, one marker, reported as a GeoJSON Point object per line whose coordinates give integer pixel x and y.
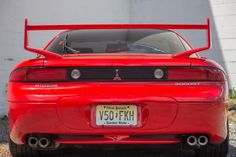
{"type": "Point", "coordinates": [184, 54]}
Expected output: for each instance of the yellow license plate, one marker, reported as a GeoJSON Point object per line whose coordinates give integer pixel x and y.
{"type": "Point", "coordinates": [116, 115]}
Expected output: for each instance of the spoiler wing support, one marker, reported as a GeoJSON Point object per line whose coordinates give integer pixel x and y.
{"type": "Point", "coordinates": [188, 53]}
{"type": "Point", "coordinates": [184, 54]}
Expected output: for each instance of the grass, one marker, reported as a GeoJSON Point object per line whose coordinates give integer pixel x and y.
{"type": "Point", "coordinates": [232, 105]}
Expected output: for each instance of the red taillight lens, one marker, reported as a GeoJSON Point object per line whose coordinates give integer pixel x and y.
{"type": "Point", "coordinates": [195, 74]}
{"type": "Point", "coordinates": [46, 74]}
{"type": "Point", "coordinates": [216, 74]}
{"type": "Point", "coordinates": [39, 74]}
{"type": "Point", "coordinates": [18, 75]}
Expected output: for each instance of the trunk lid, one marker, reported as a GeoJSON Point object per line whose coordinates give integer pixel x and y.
{"type": "Point", "coordinates": [121, 59]}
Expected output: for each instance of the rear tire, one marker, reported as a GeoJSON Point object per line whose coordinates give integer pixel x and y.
{"type": "Point", "coordinates": [22, 150]}
{"type": "Point", "coordinates": [216, 150]}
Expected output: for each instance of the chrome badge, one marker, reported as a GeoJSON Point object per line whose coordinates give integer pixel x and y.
{"type": "Point", "coordinates": [117, 75]}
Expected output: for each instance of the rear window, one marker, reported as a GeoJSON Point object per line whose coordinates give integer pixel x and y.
{"type": "Point", "coordinates": [117, 40]}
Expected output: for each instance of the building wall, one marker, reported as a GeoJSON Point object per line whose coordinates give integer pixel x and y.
{"type": "Point", "coordinates": [13, 12]}
{"type": "Point", "coordinates": [224, 12]}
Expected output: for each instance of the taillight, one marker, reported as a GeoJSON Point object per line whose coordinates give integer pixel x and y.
{"type": "Point", "coordinates": [49, 74]}
{"type": "Point", "coordinates": [39, 74]}
{"type": "Point", "coordinates": [18, 75]}
{"type": "Point", "coordinates": [195, 74]}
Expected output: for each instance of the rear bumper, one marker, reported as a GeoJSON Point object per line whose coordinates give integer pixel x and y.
{"type": "Point", "coordinates": [192, 118]}
{"type": "Point", "coordinates": [70, 113]}
{"type": "Point", "coordinates": [117, 140]}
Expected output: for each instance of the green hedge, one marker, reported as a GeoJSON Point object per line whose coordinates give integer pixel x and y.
{"type": "Point", "coordinates": [232, 93]}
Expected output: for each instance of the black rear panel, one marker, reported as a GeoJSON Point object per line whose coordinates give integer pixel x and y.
{"type": "Point", "coordinates": [117, 74]}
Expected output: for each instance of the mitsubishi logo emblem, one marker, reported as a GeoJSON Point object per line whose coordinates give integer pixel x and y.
{"type": "Point", "coordinates": [117, 75]}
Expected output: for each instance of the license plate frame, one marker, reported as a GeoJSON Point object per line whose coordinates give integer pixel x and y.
{"type": "Point", "coordinates": [119, 121]}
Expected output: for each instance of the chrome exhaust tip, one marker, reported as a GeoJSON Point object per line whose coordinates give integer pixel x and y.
{"type": "Point", "coordinates": [192, 140]}
{"type": "Point", "coordinates": [44, 142]}
{"type": "Point", "coordinates": [203, 140]}
{"type": "Point", "coordinates": [33, 142]}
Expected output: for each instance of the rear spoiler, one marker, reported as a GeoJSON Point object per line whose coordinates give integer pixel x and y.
{"type": "Point", "coordinates": [184, 54]}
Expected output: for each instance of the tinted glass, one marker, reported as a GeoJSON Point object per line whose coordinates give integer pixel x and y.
{"type": "Point", "coordinates": [117, 40]}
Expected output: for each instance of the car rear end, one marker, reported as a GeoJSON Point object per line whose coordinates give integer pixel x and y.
{"type": "Point", "coordinates": [132, 94]}
{"type": "Point", "coordinates": [70, 102]}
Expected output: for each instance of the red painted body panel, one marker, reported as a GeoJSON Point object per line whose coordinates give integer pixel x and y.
{"type": "Point", "coordinates": [167, 107]}
{"type": "Point", "coordinates": [124, 141]}
{"type": "Point", "coordinates": [65, 108]}
{"type": "Point", "coordinates": [32, 62]}
{"type": "Point", "coordinates": [121, 59]}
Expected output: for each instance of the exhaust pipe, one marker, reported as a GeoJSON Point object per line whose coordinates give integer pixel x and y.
{"type": "Point", "coordinates": [44, 142]}
{"type": "Point", "coordinates": [202, 140]}
{"type": "Point", "coordinates": [192, 140]}
{"type": "Point", "coordinates": [33, 142]}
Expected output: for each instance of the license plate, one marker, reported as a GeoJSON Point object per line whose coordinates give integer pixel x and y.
{"type": "Point", "coordinates": [116, 115]}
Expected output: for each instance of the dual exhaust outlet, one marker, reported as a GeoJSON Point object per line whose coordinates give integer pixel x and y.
{"type": "Point", "coordinates": [39, 142]}
{"type": "Point", "coordinates": [197, 141]}
{"type": "Point", "coordinates": [45, 142]}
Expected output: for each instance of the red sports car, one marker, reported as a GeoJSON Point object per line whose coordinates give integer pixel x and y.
{"type": "Point", "coordinates": [118, 85]}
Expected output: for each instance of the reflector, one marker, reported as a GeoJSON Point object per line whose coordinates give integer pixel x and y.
{"type": "Point", "coordinates": [75, 74]}
{"type": "Point", "coordinates": [158, 73]}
